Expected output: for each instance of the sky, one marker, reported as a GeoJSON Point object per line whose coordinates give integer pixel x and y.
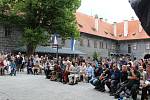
{"type": "Point", "coordinates": [110, 10]}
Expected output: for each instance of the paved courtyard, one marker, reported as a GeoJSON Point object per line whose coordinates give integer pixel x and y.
{"type": "Point", "coordinates": [30, 87]}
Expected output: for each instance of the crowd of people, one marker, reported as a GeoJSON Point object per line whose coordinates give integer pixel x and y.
{"type": "Point", "coordinates": [122, 77]}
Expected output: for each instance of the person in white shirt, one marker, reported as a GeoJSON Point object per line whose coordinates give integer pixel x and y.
{"type": "Point", "coordinates": [146, 84]}
{"type": "Point", "coordinates": [6, 64]}
{"type": "Point", "coordinates": [74, 74]}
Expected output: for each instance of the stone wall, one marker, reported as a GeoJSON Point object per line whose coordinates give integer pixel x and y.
{"type": "Point", "coordinates": [10, 41]}
{"type": "Point", "coordinates": [9, 37]}
{"type": "Point", "coordinates": [139, 51]}
{"type": "Point", "coordinates": [89, 50]}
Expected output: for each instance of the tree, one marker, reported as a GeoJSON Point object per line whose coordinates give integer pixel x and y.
{"type": "Point", "coordinates": [42, 16]}
{"type": "Point", "coordinates": [95, 56]}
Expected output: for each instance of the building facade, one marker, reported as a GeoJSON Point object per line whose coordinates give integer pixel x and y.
{"type": "Point", "coordinates": [126, 38]}
{"type": "Point", "coordinates": [10, 36]}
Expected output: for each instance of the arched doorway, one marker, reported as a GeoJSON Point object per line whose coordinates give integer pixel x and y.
{"type": "Point", "coordinates": [147, 56]}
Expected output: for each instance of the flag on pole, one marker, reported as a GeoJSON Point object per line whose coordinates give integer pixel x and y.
{"type": "Point", "coordinates": [73, 41]}
{"type": "Point", "coordinates": [55, 40]}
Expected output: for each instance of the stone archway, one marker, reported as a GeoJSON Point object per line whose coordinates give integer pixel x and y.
{"type": "Point", "coordinates": [147, 56]}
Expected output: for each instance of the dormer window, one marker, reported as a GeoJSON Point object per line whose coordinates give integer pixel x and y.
{"type": "Point", "coordinates": [93, 29]}
{"type": "Point", "coordinates": [134, 34]}
{"type": "Point", "coordinates": [81, 26]}
{"type": "Point", "coordinates": [111, 34]}
{"type": "Point", "coordinates": [106, 32]}
{"type": "Point", "coordinates": [120, 35]}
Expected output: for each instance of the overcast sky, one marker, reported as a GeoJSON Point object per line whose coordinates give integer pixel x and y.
{"type": "Point", "coordinates": [112, 10]}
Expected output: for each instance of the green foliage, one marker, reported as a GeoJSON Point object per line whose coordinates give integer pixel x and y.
{"type": "Point", "coordinates": [34, 36]}
{"type": "Point", "coordinates": [95, 56]}
{"type": "Point", "coordinates": [56, 16]}
{"type": "Point", "coordinates": [39, 16]}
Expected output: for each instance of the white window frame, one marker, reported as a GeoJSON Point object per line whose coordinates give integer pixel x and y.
{"type": "Point", "coordinates": [134, 46]}
{"type": "Point", "coordinates": [147, 46]}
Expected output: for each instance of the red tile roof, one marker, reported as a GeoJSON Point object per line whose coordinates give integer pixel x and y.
{"type": "Point", "coordinates": [86, 24]}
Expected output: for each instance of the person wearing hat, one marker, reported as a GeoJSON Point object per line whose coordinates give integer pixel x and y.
{"type": "Point", "coordinates": [146, 85]}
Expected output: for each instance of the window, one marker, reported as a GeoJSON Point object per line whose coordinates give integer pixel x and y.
{"type": "Point", "coordinates": [95, 44]}
{"type": "Point", "coordinates": [147, 46]}
{"type": "Point", "coordinates": [101, 46]}
{"type": "Point", "coordinates": [118, 47]}
{"type": "Point", "coordinates": [129, 48]}
{"type": "Point", "coordinates": [81, 42]}
{"type": "Point", "coordinates": [63, 42]}
{"type": "Point", "coordinates": [113, 47]}
{"type": "Point", "coordinates": [8, 30]}
{"type": "Point", "coordinates": [88, 43]}
{"type": "Point", "coordinates": [134, 46]}
{"type": "Point", "coordinates": [106, 46]}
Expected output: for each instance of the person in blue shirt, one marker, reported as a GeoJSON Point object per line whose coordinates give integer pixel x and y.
{"type": "Point", "coordinates": [13, 68]}
{"type": "Point", "coordinates": [98, 72]}
{"type": "Point", "coordinates": [114, 79]}
{"type": "Point", "coordinates": [89, 72]}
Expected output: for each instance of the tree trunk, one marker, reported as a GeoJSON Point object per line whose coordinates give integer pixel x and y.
{"type": "Point", "coordinates": [30, 49]}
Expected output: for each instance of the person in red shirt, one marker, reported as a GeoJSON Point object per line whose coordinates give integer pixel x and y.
{"type": "Point", "coordinates": [1, 67]}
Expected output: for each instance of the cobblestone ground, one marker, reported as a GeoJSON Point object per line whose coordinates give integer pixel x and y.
{"type": "Point", "coordinates": [30, 87]}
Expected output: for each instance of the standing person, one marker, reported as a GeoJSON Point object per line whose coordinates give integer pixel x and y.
{"type": "Point", "coordinates": [146, 84]}
{"type": "Point", "coordinates": [29, 66]}
{"type": "Point", "coordinates": [6, 64]}
{"type": "Point", "coordinates": [47, 70]}
{"type": "Point", "coordinates": [13, 68]}
{"type": "Point", "coordinates": [1, 67]}
{"type": "Point", "coordinates": [18, 62]}
{"type": "Point", "coordinates": [23, 63]}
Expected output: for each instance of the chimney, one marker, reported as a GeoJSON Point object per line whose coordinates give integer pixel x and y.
{"type": "Point", "coordinates": [101, 19]}
{"type": "Point", "coordinates": [125, 27]}
{"type": "Point", "coordinates": [96, 22]}
{"type": "Point", "coordinates": [132, 18]}
{"type": "Point", "coordinates": [115, 28]}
